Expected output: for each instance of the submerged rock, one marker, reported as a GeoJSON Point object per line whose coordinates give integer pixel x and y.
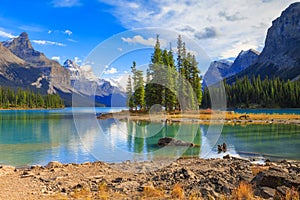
{"type": "Point", "coordinates": [171, 141]}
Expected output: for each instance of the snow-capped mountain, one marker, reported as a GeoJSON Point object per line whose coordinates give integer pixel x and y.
{"type": "Point", "coordinates": [73, 69]}
{"type": "Point", "coordinates": [84, 80]}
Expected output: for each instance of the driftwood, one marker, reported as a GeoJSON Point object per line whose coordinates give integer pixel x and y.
{"type": "Point", "coordinates": [246, 117]}
{"type": "Point", "coordinates": [171, 141]}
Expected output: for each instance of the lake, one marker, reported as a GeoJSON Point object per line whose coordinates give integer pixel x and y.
{"type": "Point", "coordinates": [75, 135]}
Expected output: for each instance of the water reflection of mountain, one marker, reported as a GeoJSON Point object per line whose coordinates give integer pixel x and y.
{"type": "Point", "coordinates": [34, 137]}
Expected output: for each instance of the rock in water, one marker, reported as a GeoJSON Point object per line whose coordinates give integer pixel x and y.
{"type": "Point", "coordinates": [171, 141]}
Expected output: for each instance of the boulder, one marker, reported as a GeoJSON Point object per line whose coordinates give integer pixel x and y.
{"type": "Point", "coordinates": [54, 164]}
{"type": "Point", "coordinates": [275, 179]}
{"type": "Point", "coordinates": [171, 141]}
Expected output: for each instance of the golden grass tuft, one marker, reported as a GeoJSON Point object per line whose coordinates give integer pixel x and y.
{"type": "Point", "coordinates": [103, 191]}
{"type": "Point", "coordinates": [256, 169]}
{"type": "Point", "coordinates": [150, 191]}
{"type": "Point", "coordinates": [195, 196]}
{"type": "Point", "coordinates": [243, 192]}
{"type": "Point", "coordinates": [177, 192]}
{"type": "Point", "coordinates": [81, 194]}
{"type": "Point", "coordinates": [292, 194]}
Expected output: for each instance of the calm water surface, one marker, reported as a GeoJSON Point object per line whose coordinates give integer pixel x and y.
{"type": "Point", "coordinates": [37, 137]}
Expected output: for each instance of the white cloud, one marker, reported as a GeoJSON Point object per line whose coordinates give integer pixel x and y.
{"type": "Point", "coordinates": [6, 35]}
{"type": "Point", "coordinates": [57, 58]}
{"type": "Point", "coordinates": [112, 70]}
{"type": "Point", "coordinates": [138, 39]}
{"type": "Point", "coordinates": [71, 40]}
{"type": "Point", "coordinates": [87, 72]}
{"type": "Point", "coordinates": [65, 3]}
{"type": "Point", "coordinates": [77, 60]}
{"type": "Point", "coordinates": [45, 42]}
{"type": "Point", "coordinates": [68, 32]}
{"type": "Point", "coordinates": [217, 26]}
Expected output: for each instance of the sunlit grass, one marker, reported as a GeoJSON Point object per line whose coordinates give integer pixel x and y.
{"type": "Point", "coordinates": [292, 194]}
{"type": "Point", "coordinates": [83, 194]}
{"type": "Point", "coordinates": [177, 192]}
{"type": "Point", "coordinates": [256, 169]}
{"type": "Point", "coordinates": [243, 192]}
{"type": "Point", "coordinates": [150, 191]}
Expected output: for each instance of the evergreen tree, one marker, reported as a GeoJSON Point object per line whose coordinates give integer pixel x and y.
{"type": "Point", "coordinates": [129, 92]}
{"type": "Point", "coordinates": [269, 93]}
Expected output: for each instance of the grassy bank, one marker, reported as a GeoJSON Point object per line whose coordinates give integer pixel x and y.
{"type": "Point", "coordinates": [205, 116]}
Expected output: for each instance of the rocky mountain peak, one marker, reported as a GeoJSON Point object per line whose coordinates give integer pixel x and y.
{"type": "Point", "coordinates": [70, 64]}
{"type": "Point", "coordinates": [21, 47]}
{"type": "Point", "coordinates": [20, 42]}
{"type": "Point", "coordinates": [73, 69]}
{"type": "Point", "coordinates": [282, 45]}
{"type": "Point", "coordinates": [244, 60]}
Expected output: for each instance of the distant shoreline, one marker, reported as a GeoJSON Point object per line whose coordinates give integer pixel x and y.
{"type": "Point", "coordinates": [7, 109]}
{"type": "Point", "coordinates": [205, 117]}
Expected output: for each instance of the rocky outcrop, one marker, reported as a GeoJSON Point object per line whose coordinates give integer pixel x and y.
{"type": "Point", "coordinates": [7, 57]}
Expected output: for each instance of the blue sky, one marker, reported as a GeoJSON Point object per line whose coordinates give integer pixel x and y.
{"type": "Point", "coordinates": [73, 28]}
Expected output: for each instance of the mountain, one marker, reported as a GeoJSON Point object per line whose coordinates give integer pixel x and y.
{"type": "Point", "coordinates": [22, 66]}
{"type": "Point", "coordinates": [57, 76]}
{"type": "Point", "coordinates": [73, 69]}
{"type": "Point", "coordinates": [218, 70]}
{"type": "Point", "coordinates": [244, 60]}
{"type": "Point", "coordinates": [15, 72]}
{"type": "Point", "coordinates": [84, 81]}
{"type": "Point", "coordinates": [280, 56]}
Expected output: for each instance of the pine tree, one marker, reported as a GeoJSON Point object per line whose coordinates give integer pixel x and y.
{"type": "Point", "coordinates": [139, 90]}
{"type": "Point", "coordinates": [129, 92]}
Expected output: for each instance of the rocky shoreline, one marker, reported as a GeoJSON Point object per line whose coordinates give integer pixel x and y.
{"type": "Point", "coordinates": [182, 179]}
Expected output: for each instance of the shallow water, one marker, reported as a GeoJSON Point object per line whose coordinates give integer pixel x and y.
{"type": "Point", "coordinates": [75, 136]}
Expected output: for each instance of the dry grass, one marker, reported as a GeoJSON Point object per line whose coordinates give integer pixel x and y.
{"type": "Point", "coordinates": [177, 192]}
{"type": "Point", "coordinates": [59, 197]}
{"type": "Point", "coordinates": [150, 191]}
{"type": "Point", "coordinates": [204, 115]}
{"type": "Point", "coordinates": [256, 169]}
{"type": "Point", "coordinates": [243, 192]}
{"type": "Point", "coordinates": [82, 194]}
{"type": "Point", "coordinates": [195, 196]}
{"type": "Point", "coordinates": [292, 194]}
{"type": "Point", "coordinates": [103, 191]}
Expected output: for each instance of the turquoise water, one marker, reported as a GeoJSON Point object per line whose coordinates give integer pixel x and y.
{"type": "Point", "coordinates": [75, 136]}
